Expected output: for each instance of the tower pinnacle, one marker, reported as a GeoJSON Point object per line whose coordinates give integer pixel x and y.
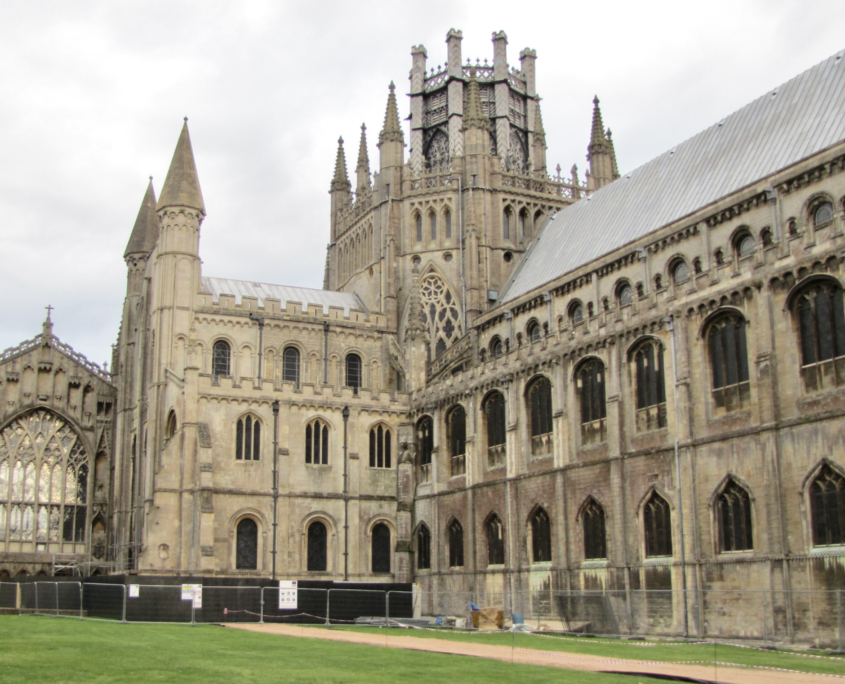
{"type": "Point", "coordinates": [474, 116]}
{"type": "Point", "coordinates": [340, 181]}
{"type": "Point", "coordinates": [600, 153]}
{"type": "Point", "coordinates": [182, 186]}
{"type": "Point", "coordinates": [391, 132]}
{"type": "Point", "coordinates": [362, 171]}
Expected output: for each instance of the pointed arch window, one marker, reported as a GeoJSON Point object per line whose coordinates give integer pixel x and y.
{"type": "Point", "coordinates": [380, 447]}
{"type": "Point", "coordinates": [647, 359]}
{"type": "Point", "coordinates": [494, 414]}
{"type": "Point", "coordinates": [495, 541]}
{"type": "Point", "coordinates": [423, 548]}
{"type": "Point", "coordinates": [354, 372]}
{"type": "Point", "coordinates": [821, 321]}
{"type": "Point", "coordinates": [247, 545]}
{"type": "Point", "coordinates": [729, 363]}
{"type": "Point", "coordinates": [290, 366]}
{"type": "Point", "coordinates": [221, 354]}
{"type": "Point", "coordinates": [523, 221]}
{"type": "Point", "coordinates": [170, 426]}
{"type": "Point", "coordinates": [827, 507]}
{"type": "Point", "coordinates": [541, 537]}
{"type": "Point", "coordinates": [441, 312]}
{"type": "Point", "coordinates": [447, 223]}
{"type": "Point", "coordinates": [657, 518]}
{"type": "Point", "coordinates": [590, 387]}
{"type": "Point", "coordinates": [317, 547]}
{"type": "Point", "coordinates": [248, 439]}
{"type": "Point", "coordinates": [425, 446]}
{"type": "Point", "coordinates": [317, 442]}
{"type": "Point", "coordinates": [456, 545]}
{"type": "Point", "coordinates": [540, 413]}
{"type": "Point", "coordinates": [457, 435]}
{"type": "Point", "coordinates": [419, 227]}
{"type": "Point", "coordinates": [734, 512]}
{"type": "Point", "coordinates": [595, 539]}
{"type": "Point", "coordinates": [381, 548]}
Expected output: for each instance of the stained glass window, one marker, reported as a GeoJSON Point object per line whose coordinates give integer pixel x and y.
{"type": "Point", "coordinates": [220, 357]}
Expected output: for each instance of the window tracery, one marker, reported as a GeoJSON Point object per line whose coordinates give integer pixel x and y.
{"type": "Point", "coordinates": [595, 539]}
{"type": "Point", "coordinates": [734, 512]}
{"type": "Point", "coordinates": [442, 317]}
{"type": "Point", "coordinates": [380, 447]}
{"type": "Point", "coordinates": [729, 361]}
{"type": "Point", "coordinates": [827, 507]}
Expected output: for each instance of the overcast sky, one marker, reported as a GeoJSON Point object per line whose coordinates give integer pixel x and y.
{"type": "Point", "coordinates": [92, 96]}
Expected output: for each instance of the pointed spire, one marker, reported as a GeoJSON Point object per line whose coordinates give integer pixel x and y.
{"type": "Point", "coordinates": [362, 171]}
{"type": "Point", "coordinates": [391, 132]}
{"type": "Point", "coordinates": [614, 167]}
{"type": "Point", "coordinates": [597, 137]}
{"type": "Point", "coordinates": [145, 233]}
{"type": "Point", "coordinates": [182, 185]}
{"type": "Point", "coordinates": [539, 131]}
{"type": "Point", "coordinates": [474, 116]}
{"type": "Point", "coordinates": [341, 178]}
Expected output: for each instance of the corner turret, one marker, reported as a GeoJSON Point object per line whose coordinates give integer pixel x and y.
{"type": "Point", "coordinates": [600, 153]}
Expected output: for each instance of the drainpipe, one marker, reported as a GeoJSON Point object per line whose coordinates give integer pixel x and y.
{"type": "Point", "coordinates": [275, 479]}
{"type": "Point", "coordinates": [461, 229]}
{"type": "Point", "coordinates": [325, 353]}
{"type": "Point", "coordinates": [345, 414]}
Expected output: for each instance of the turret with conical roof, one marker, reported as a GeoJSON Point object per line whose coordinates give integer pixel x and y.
{"type": "Point", "coordinates": [182, 185]}
{"type": "Point", "coordinates": [142, 241]}
{"type": "Point", "coordinates": [340, 188]}
{"type": "Point", "coordinates": [362, 170]}
{"type": "Point", "coordinates": [600, 153]}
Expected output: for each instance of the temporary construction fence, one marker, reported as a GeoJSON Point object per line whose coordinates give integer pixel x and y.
{"type": "Point", "coordinates": [770, 617]}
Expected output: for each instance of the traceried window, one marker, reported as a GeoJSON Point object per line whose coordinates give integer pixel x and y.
{"type": "Point", "coordinates": [248, 439]}
{"type": "Point", "coordinates": [729, 362]}
{"type": "Point", "coordinates": [576, 313]}
{"type": "Point", "coordinates": [247, 545]}
{"type": "Point", "coordinates": [494, 414]}
{"type": "Point", "coordinates": [821, 320]}
{"type": "Point", "coordinates": [590, 388]}
{"type": "Point", "coordinates": [425, 446]}
{"type": "Point", "coordinates": [823, 214]}
{"type": "Point", "coordinates": [317, 547]}
{"type": "Point", "coordinates": [541, 537]}
{"type": "Point", "coordinates": [221, 354]}
{"type": "Point", "coordinates": [534, 332]}
{"type": "Point", "coordinates": [651, 393]}
{"type": "Point", "coordinates": [734, 512]}
{"type": "Point", "coordinates": [827, 507]}
{"type": "Point", "coordinates": [495, 541]}
{"type": "Point", "coordinates": [456, 425]}
{"type": "Point", "coordinates": [381, 548]}
{"type": "Point", "coordinates": [595, 540]}
{"type": "Point", "coordinates": [442, 316]}
{"type": "Point", "coordinates": [423, 548]}
{"type": "Point", "coordinates": [290, 365]}
{"type": "Point", "coordinates": [354, 374]}
{"type": "Point", "coordinates": [380, 447]}
{"type": "Point", "coordinates": [456, 545]}
{"type": "Point", "coordinates": [658, 526]}
{"type": "Point", "coordinates": [540, 415]}
{"type": "Point", "coordinates": [317, 442]}
{"type": "Point", "coordinates": [44, 473]}
{"type": "Point", "coordinates": [625, 294]}
{"type": "Point", "coordinates": [680, 272]}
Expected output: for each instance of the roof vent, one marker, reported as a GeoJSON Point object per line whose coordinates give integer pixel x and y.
{"type": "Point", "coordinates": [774, 93]}
{"type": "Point", "coordinates": [671, 152]}
{"type": "Point", "coordinates": [838, 57]}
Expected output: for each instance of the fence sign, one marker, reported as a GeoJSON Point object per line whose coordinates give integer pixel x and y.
{"type": "Point", "coordinates": [134, 590]}
{"type": "Point", "coordinates": [192, 592]}
{"type": "Point", "coordinates": [287, 594]}
{"type": "Point", "coordinates": [197, 596]}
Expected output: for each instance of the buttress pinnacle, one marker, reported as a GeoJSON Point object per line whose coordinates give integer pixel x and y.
{"type": "Point", "coordinates": [340, 181]}
{"type": "Point", "coordinates": [391, 132]}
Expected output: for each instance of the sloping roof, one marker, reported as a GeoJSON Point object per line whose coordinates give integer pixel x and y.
{"type": "Point", "coordinates": [242, 288]}
{"type": "Point", "coordinates": [792, 122]}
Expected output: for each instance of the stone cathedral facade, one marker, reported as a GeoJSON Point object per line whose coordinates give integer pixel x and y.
{"type": "Point", "coordinates": [512, 381]}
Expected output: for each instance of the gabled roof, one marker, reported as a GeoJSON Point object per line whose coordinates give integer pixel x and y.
{"type": "Point", "coordinates": [306, 296]}
{"type": "Point", "coordinates": [803, 117]}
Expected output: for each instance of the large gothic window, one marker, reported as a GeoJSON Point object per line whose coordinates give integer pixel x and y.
{"type": "Point", "coordinates": [541, 537]}
{"type": "Point", "coordinates": [247, 545]}
{"type": "Point", "coordinates": [380, 447]}
{"type": "Point", "coordinates": [44, 473]}
{"type": "Point", "coordinates": [442, 317]}
{"type": "Point", "coordinates": [381, 548]}
{"type": "Point", "coordinates": [437, 151]}
{"type": "Point", "coordinates": [540, 413]}
{"type": "Point", "coordinates": [248, 439]}
{"type": "Point", "coordinates": [495, 541]}
{"type": "Point", "coordinates": [651, 394]}
{"type": "Point", "coordinates": [517, 151]}
{"type": "Point", "coordinates": [658, 526]}
{"type": "Point", "coordinates": [729, 361]}
{"type": "Point", "coordinates": [425, 446]}
{"type": "Point", "coordinates": [317, 442]}
{"type": "Point", "coordinates": [821, 320]}
{"type": "Point", "coordinates": [494, 414]}
{"type": "Point", "coordinates": [456, 422]}
{"type": "Point", "coordinates": [290, 365]}
{"type": "Point", "coordinates": [456, 545]}
{"type": "Point", "coordinates": [354, 371]}
{"type": "Point", "coordinates": [734, 513]}
{"type": "Point", "coordinates": [317, 547]}
{"type": "Point", "coordinates": [423, 548]}
{"type": "Point", "coordinates": [827, 507]}
{"type": "Point", "coordinates": [595, 540]}
{"type": "Point", "coordinates": [221, 354]}
{"type": "Point", "coordinates": [590, 387]}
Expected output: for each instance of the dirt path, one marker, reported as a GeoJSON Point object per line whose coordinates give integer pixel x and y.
{"type": "Point", "coordinates": [572, 661]}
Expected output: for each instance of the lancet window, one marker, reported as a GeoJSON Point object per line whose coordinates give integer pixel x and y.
{"type": "Point", "coordinates": [827, 507]}
{"type": "Point", "coordinates": [495, 541]}
{"type": "Point", "coordinates": [651, 394]}
{"type": "Point", "coordinates": [423, 548]}
{"type": "Point", "coordinates": [658, 526]}
{"type": "Point", "coordinates": [595, 541]}
{"type": "Point", "coordinates": [354, 371]}
{"type": "Point", "coordinates": [729, 361]}
{"type": "Point", "coordinates": [425, 446]}
{"type": "Point", "coordinates": [494, 413]}
{"type": "Point", "coordinates": [442, 315]}
{"type": "Point", "coordinates": [456, 422]}
{"type": "Point", "coordinates": [590, 387]}
{"type": "Point", "coordinates": [381, 548]}
{"type": "Point", "coordinates": [541, 537]}
{"type": "Point", "coordinates": [734, 513]}
{"type": "Point", "coordinates": [456, 545]}
{"type": "Point", "coordinates": [540, 413]}
{"type": "Point", "coordinates": [821, 321]}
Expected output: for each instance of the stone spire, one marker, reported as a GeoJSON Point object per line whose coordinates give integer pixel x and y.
{"type": "Point", "coordinates": [474, 116]}
{"type": "Point", "coordinates": [597, 136]}
{"type": "Point", "coordinates": [392, 131]}
{"type": "Point", "coordinates": [362, 171]}
{"type": "Point", "coordinates": [145, 233]}
{"type": "Point", "coordinates": [182, 185]}
{"type": "Point", "coordinates": [539, 140]}
{"type": "Point", "coordinates": [599, 153]}
{"type": "Point", "coordinates": [614, 167]}
{"type": "Point", "coordinates": [340, 181]}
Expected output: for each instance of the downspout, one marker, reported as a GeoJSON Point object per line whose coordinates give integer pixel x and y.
{"type": "Point", "coordinates": [260, 346]}
{"type": "Point", "coordinates": [325, 353]}
{"type": "Point", "coordinates": [508, 530]}
{"type": "Point", "coordinates": [345, 414]}
{"type": "Point", "coordinates": [275, 479]}
{"type": "Point", "coordinates": [461, 229]}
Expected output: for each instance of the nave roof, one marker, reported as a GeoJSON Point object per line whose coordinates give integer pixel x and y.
{"type": "Point", "coordinates": [261, 291]}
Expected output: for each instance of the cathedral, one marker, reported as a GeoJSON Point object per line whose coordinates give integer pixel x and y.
{"type": "Point", "coordinates": [511, 381]}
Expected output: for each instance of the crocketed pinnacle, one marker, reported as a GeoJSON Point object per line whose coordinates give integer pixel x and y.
{"type": "Point", "coordinates": [474, 116]}
{"type": "Point", "coordinates": [145, 232]}
{"type": "Point", "coordinates": [597, 137]}
{"type": "Point", "coordinates": [614, 167]}
{"type": "Point", "coordinates": [539, 131]}
{"type": "Point", "coordinates": [363, 157]}
{"type": "Point", "coordinates": [341, 178]}
{"type": "Point", "coordinates": [182, 185]}
{"type": "Point", "coordinates": [391, 132]}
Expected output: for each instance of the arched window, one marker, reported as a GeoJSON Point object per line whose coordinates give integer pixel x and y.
{"type": "Point", "coordinates": [432, 219]}
{"type": "Point", "coordinates": [590, 387]}
{"type": "Point", "coordinates": [381, 548]}
{"type": "Point", "coordinates": [317, 442]}
{"type": "Point", "coordinates": [766, 237]}
{"type": "Point", "coordinates": [506, 224]}
{"type": "Point", "coordinates": [651, 392]}
{"type": "Point", "coordinates": [353, 371]}
{"type": "Point", "coordinates": [425, 446]}
{"type": "Point", "coordinates": [246, 557]}
{"type": "Point", "coordinates": [595, 540]}
{"type": "Point", "coordinates": [540, 413]}
{"type": "Point", "coordinates": [576, 313]}
{"type": "Point", "coordinates": [442, 317]}
{"type": "Point", "coordinates": [495, 541]}
{"type": "Point", "coordinates": [456, 545]}
{"type": "Point", "coordinates": [734, 511]}
{"type": "Point", "coordinates": [221, 354]}
{"type": "Point", "coordinates": [821, 320]}
{"type": "Point", "coordinates": [534, 332]}
{"type": "Point", "coordinates": [423, 548]}
{"type": "Point", "coordinates": [317, 547]}
{"type": "Point", "coordinates": [447, 223]}
{"type": "Point", "coordinates": [658, 526]}
{"type": "Point", "coordinates": [827, 507]}
{"type": "Point", "coordinates": [456, 424]}
{"type": "Point", "coordinates": [523, 222]}
{"type": "Point", "coordinates": [744, 245]}
{"type": "Point", "coordinates": [494, 413]}
{"type": "Point", "coordinates": [823, 214]}
{"type": "Point", "coordinates": [290, 365]}
{"type": "Point", "coordinates": [680, 272]}
{"type": "Point", "coordinates": [729, 361]}
{"type": "Point", "coordinates": [496, 347]}
{"type": "Point", "coordinates": [419, 227]}
{"type": "Point", "coordinates": [625, 294]}
{"type": "Point", "coordinates": [380, 447]}
{"type": "Point", "coordinates": [170, 426]}
{"type": "Point", "coordinates": [248, 439]}
{"type": "Point", "coordinates": [541, 537]}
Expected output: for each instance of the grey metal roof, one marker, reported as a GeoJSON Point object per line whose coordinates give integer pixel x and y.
{"type": "Point", "coordinates": [792, 122]}
{"type": "Point", "coordinates": [242, 288]}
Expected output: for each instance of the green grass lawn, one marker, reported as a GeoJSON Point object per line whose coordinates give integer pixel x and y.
{"type": "Point", "coordinates": [42, 649]}
{"type": "Point", "coordinates": [634, 650]}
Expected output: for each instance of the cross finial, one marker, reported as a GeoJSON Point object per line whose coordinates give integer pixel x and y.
{"type": "Point", "coordinates": [49, 309]}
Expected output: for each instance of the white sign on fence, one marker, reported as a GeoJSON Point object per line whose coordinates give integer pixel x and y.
{"type": "Point", "coordinates": [134, 590]}
{"type": "Point", "coordinates": [192, 592]}
{"type": "Point", "coordinates": [197, 596]}
{"type": "Point", "coordinates": [287, 595]}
